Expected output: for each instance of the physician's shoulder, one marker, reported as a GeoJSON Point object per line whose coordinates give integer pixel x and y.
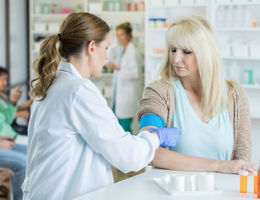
{"type": "Point", "coordinates": [88, 90]}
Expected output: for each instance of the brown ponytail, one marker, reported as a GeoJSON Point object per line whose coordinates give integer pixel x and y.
{"type": "Point", "coordinates": [77, 30]}
{"type": "Point", "coordinates": [45, 67]}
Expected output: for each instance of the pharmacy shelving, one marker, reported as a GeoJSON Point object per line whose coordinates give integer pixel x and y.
{"type": "Point", "coordinates": [242, 29]}
{"type": "Point", "coordinates": [179, 6]}
{"type": "Point", "coordinates": [155, 56]}
{"type": "Point", "coordinates": [255, 115]}
{"type": "Point", "coordinates": [157, 29]}
{"type": "Point", "coordinates": [157, 17]}
{"type": "Point", "coordinates": [238, 28]}
{"type": "Point", "coordinates": [238, 63]}
{"type": "Point", "coordinates": [255, 86]}
{"type": "Point", "coordinates": [50, 16]}
{"type": "Point", "coordinates": [237, 3]}
{"type": "Point", "coordinates": [45, 21]}
{"type": "Point", "coordinates": [241, 58]}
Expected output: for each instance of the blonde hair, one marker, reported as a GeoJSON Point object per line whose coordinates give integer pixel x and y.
{"type": "Point", "coordinates": [76, 31]}
{"type": "Point", "coordinates": [195, 34]}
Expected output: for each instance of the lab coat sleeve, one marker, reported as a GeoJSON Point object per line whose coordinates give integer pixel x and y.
{"type": "Point", "coordinates": [98, 126]}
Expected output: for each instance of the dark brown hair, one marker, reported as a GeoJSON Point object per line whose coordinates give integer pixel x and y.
{"type": "Point", "coordinates": [3, 71]}
{"type": "Point", "coordinates": [127, 28]}
{"type": "Point", "coordinates": [76, 31]}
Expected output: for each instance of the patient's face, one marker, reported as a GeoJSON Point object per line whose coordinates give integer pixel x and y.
{"type": "Point", "coordinates": [3, 81]}
{"type": "Point", "coordinates": [184, 62]}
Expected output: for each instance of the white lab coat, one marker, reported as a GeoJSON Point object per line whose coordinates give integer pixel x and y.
{"type": "Point", "coordinates": [74, 137]}
{"type": "Point", "coordinates": [128, 82]}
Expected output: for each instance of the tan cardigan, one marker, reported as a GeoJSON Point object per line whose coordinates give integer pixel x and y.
{"type": "Point", "coordinates": [158, 98]}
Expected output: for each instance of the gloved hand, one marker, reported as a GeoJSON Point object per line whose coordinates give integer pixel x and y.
{"type": "Point", "coordinates": [168, 136]}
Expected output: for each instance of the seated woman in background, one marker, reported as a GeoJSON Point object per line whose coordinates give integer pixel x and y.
{"type": "Point", "coordinates": [13, 157]}
{"type": "Point", "coordinates": [193, 95]}
{"type": "Point", "coordinates": [9, 111]}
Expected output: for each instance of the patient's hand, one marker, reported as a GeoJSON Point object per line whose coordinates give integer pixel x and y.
{"type": "Point", "coordinates": [22, 114]}
{"type": "Point", "coordinates": [234, 166]}
{"type": "Point", "coordinates": [6, 143]}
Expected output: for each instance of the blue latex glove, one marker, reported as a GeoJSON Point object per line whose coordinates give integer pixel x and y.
{"type": "Point", "coordinates": [168, 136]}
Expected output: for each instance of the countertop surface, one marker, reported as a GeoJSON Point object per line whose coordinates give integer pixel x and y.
{"type": "Point", "coordinates": [142, 187]}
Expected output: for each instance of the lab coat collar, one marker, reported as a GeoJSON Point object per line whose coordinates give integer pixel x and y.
{"type": "Point", "coordinates": [69, 68]}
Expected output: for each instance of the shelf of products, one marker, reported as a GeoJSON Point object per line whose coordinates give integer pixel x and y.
{"type": "Point", "coordinates": [238, 2]}
{"type": "Point", "coordinates": [237, 25]}
{"type": "Point", "coordinates": [242, 29]}
{"type": "Point", "coordinates": [241, 58]}
{"type": "Point", "coordinates": [47, 15]}
{"type": "Point", "coordinates": [255, 86]}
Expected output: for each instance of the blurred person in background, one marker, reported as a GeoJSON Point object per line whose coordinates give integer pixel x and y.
{"type": "Point", "coordinates": [10, 111]}
{"type": "Point", "coordinates": [13, 157]}
{"type": "Point", "coordinates": [127, 64]}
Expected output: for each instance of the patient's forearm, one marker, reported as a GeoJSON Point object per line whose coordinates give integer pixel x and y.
{"type": "Point", "coordinates": [167, 159]}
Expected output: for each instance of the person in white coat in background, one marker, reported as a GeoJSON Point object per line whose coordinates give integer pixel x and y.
{"type": "Point", "coordinates": [128, 76]}
{"type": "Point", "coordinates": [73, 134]}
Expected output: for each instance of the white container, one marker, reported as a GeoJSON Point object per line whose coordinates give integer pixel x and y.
{"type": "Point", "coordinates": [152, 24]}
{"type": "Point", "coordinates": [160, 23]}
{"type": "Point", "coordinates": [200, 2]}
{"type": "Point", "coordinates": [171, 2]}
{"type": "Point", "coordinates": [40, 27]}
{"type": "Point", "coordinates": [203, 182]}
{"type": "Point", "coordinates": [177, 183]}
{"type": "Point", "coordinates": [254, 49]}
{"type": "Point", "coordinates": [186, 2]}
{"type": "Point", "coordinates": [95, 6]}
{"type": "Point", "coordinates": [240, 49]}
{"type": "Point", "coordinates": [247, 17]}
{"type": "Point", "coordinates": [239, 1]}
{"type": "Point", "coordinates": [156, 2]}
{"type": "Point", "coordinates": [53, 27]}
{"type": "Point", "coordinates": [222, 1]}
{"type": "Point", "coordinates": [226, 50]}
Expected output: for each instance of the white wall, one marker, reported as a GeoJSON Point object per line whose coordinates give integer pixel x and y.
{"type": "Point", "coordinates": [18, 34]}
{"type": "Point", "coordinates": [2, 33]}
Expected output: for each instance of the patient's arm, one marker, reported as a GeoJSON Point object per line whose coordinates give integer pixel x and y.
{"type": "Point", "coordinates": [168, 159]}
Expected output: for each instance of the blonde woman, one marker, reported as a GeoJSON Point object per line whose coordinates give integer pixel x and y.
{"type": "Point", "coordinates": [194, 96]}
{"type": "Point", "coordinates": [73, 134]}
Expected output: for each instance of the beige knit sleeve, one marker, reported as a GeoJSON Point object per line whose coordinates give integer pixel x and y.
{"type": "Point", "coordinates": [244, 143]}
{"type": "Point", "coordinates": [154, 100]}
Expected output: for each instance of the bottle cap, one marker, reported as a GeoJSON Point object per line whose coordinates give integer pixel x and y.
{"type": "Point", "coordinates": [243, 173]}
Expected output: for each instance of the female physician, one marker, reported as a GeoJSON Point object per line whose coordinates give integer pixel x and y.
{"type": "Point", "coordinates": [194, 96]}
{"type": "Point", "coordinates": [73, 135]}
{"type": "Point", "coordinates": [127, 79]}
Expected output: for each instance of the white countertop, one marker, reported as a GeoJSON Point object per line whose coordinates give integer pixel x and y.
{"type": "Point", "coordinates": [142, 187]}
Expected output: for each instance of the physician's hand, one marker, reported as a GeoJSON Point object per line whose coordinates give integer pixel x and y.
{"type": "Point", "coordinates": [168, 136]}
{"type": "Point", "coordinates": [234, 166]}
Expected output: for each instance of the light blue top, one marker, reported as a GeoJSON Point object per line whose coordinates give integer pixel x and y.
{"type": "Point", "coordinates": [213, 139]}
